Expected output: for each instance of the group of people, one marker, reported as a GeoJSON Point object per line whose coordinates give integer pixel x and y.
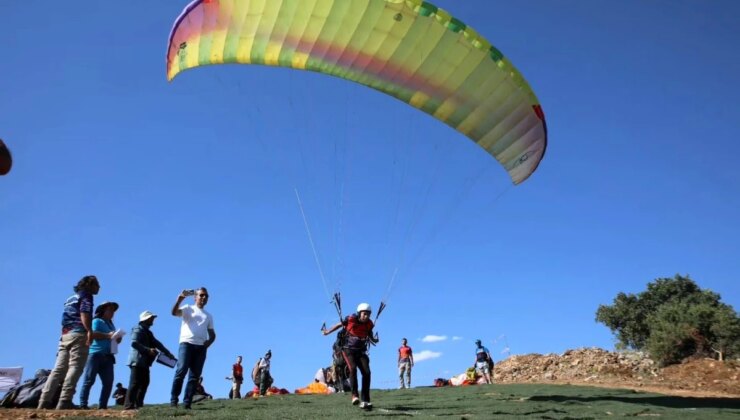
{"type": "Point", "coordinates": [260, 376]}
{"type": "Point", "coordinates": [90, 340]}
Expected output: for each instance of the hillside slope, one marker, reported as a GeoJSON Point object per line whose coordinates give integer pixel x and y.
{"type": "Point", "coordinates": [595, 366]}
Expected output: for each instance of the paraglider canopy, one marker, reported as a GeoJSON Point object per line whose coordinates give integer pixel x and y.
{"type": "Point", "coordinates": [408, 49]}
{"type": "Point", "coordinates": [6, 160]}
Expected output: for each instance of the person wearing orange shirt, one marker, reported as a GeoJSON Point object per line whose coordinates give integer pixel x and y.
{"type": "Point", "coordinates": [237, 376]}
{"type": "Point", "coordinates": [405, 363]}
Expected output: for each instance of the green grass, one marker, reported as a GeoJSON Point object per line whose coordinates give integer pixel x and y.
{"type": "Point", "coordinates": [475, 402]}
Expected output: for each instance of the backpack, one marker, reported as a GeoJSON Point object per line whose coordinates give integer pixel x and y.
{"type": "Point", "coordinates": [28, 394]}
{"type": "Point", "coordinates": [256, 372]}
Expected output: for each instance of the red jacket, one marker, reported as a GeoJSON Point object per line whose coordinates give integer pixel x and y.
{"type": "Point", "coordinates": [238, 371]}
{"type": "Point", "coordinates": [358, 333]}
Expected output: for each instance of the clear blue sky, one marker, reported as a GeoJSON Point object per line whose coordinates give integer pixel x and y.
{"type": "Point", "coordinates": [156, 186]}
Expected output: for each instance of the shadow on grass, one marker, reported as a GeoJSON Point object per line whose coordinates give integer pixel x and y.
{"type": "Point", "coordinates": [660, 400]}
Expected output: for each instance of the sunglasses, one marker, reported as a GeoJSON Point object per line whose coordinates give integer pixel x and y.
{"type": "Point", "coordinates": [202, 295]}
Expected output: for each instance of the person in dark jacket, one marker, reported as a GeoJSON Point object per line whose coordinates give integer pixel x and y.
{"type": "Point", "coordinates": [144, 350]}
{"type": "Point", "coordinates": [120, 394]}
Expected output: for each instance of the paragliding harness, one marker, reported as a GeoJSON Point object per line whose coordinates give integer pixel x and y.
{"type": "Point", "coordinates": [340, 341]}
{"type": "Point", "coordinates": [484, 357]}
{"type": "Point", "coordinates": [341, 369]}
{"type": "Point", "coordinates": [257, 377]}
{"type": "Point", "coordinates": [256, 372]}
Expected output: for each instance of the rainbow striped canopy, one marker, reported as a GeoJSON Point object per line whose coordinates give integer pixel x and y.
{"type": "Point", "coordinates": [408, 49]}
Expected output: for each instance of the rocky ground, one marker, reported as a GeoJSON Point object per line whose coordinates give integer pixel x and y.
{"type": "Point", "coordinates": [598, 367]}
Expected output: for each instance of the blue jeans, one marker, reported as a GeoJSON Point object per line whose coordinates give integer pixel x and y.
{"type": "Point", "coordinates": [190, 357]}
{"type": "Point", "coordinates": [98, 364]}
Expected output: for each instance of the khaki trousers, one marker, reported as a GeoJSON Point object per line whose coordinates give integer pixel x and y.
{"type": "Point", "coordinates": [404, 367]}
{"type": "Point", "coordinates": [71, 359]}
{"type": "Point", "coordinates": [236, 388]}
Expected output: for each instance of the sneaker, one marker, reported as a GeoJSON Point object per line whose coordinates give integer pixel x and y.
{"type": "Point", "coordinates": [366, 405]}
{"type": "Point", "coordinates": [355, 400]}
{"type": "Point", "coordinates": [84, 407]}
{"type": "Point", "coordinates": [188, 407]}
{"type": "Point", "coordinates": [173, 404]}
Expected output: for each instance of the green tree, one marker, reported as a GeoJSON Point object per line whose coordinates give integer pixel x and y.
{"type": "Point", "coordinates": [726, 331]}
{"type": "Point", "coordinates": [673, 319]}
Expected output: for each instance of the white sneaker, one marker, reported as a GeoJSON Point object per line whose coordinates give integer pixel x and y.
{"type": "Point", "coordinates": [355, 401]}
{"type": "Point", "coordinates": [366, 405]}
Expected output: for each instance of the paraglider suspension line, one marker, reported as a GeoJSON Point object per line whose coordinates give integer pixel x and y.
{"type": "Point", "coordinates": [310, 239]}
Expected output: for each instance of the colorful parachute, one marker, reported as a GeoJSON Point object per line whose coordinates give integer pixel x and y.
{"type": "Point", "coordinates": [6, 160]}
{"type": "Point", "coordinates": [408, 49]}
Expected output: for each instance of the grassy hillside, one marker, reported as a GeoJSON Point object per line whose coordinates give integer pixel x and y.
{"type": "Point", "coordinates": [475, 402]}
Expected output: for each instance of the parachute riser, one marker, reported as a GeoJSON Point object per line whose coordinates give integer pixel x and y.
{"type": "Point", "coordinates": [380, 310]}
{"type": "Point", "coordinates": [337, 301]}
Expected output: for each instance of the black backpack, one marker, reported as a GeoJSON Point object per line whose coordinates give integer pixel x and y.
{"type": "Point", "coordinates": [28, 394]}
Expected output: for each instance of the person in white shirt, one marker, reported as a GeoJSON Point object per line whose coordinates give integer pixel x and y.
{"type": "Point", "coordinates": [196, 335]}
{"type": "Point", "coordinates": [265, 380]}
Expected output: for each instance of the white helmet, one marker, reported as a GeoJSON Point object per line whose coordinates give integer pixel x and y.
{"type": "Point", "coordinates": [364, 307]}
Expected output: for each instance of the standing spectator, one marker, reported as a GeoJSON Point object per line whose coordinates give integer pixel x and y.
{"type": "Point", "coordinates": [196, 335]}
{"type": "Point", "coordinates": [100, 360]}
{"type": "Point", "coordinates": [265, 379]}
{"type": "Point", "coordinates": [73, 345]}
{"type": "Point", "coordinates": [143, 353]}
{"type": "Point", "coordinates": [483, 361]}
{"type": "Point", "coordinates": [359, 330]}
{"type": "Point", "coordinates": [405, 363]}
{"type": "Point", "coordinates": [237, 376]}
{"type": "Point", "coordinates": [119, 394]}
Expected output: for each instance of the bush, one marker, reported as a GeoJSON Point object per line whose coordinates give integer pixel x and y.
{"type": "Point", "coordinates": [673, 319]}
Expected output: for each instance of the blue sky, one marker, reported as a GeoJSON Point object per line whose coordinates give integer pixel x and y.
{"type": "Point", "coordinates": [155, 187]}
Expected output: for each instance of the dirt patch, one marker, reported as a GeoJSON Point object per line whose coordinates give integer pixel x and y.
{"type": "Point", "coordinates": [631, 370]}
{"type": "Point", "coordinates": [28, 413]}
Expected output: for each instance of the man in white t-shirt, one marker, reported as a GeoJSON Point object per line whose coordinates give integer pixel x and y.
{"type": "Point", "coordinates": [264, 376]}
{"type": "Point", "coordinates": [196, 335]}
